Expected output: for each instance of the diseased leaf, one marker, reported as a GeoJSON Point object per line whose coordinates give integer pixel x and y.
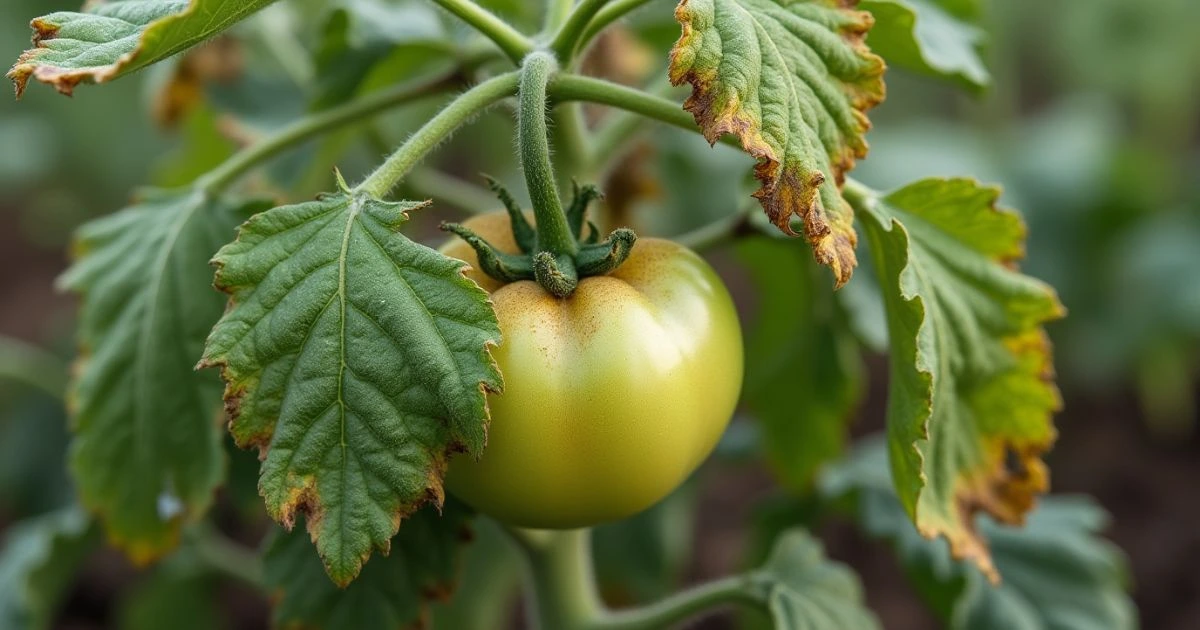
{"type": "Point", "coordinates": [356, 361]}
{"type": "Point", "coordinates": [919, 35]}
{"type": "Point", "coordinates": [803, 370]}
{"type": "Point", "coordinates": [113, 39]}
{"type": "Point", "coordinates": [972, 391]}
{"type": "Point", "coordinates": [804, 590]}
{"type": "Point", "coordinates": [792, 81]}
{"type": "Point", "coordinates": [38, 562]}
{"type": "Point", "coordinates": [147, 449]}
{"type": "Point", "coordinates": [1059, 573]}
{"type": "Point", "coordinates": [390, 594]}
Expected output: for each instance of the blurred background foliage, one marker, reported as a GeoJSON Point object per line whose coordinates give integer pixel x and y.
{"type": "Point", "coordinates": [1091, 124]}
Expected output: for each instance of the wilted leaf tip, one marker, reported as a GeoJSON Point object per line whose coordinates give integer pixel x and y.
{"type": "Point", "coordinates": [816, 152]}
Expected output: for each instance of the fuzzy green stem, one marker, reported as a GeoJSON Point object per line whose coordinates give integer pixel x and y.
{"type": "Point", "coordinates": [559, 573]}
{"type": "Point", "coordinates": [557, 12]}
{"type": "Point", "coordinates": [513, 43]}
{"type": "Point", "coordinates": [220, 178]}
{"type": "Point", "coordinates": [468, 105]}
{"type": "Point", "coordinates": [612, 12]}
{"type": "Point", "coordinates": [573, 87]}
{"type": "Point", "coordinates": [682, 606]}
{"type": "Point", "coordinates": [569, 38]}
{"type": "Point", "coordinates": [533, 142]}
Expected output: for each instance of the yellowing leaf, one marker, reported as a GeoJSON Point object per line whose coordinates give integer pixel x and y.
{"type": "Point", "coordinates": [356, 361]}
{"type": "Point", "coordinates": [112, 39]}
{"type": "Point", "coordinates": [972, 392]}
{"type": "Point", "coordinates": [791, 80]}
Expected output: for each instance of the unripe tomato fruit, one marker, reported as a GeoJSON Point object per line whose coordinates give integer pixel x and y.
{"type": "Point", "coordinates": [612, 396]}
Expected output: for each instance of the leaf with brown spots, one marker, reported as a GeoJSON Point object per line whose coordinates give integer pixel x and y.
{"type": "Point", "coordinates": [972, 385]}
{"type": "Point", "coordinates": [791, 80]}
{"type": "Point", "coordinates": [113, 39]}
{"type": "Point", "coordinates": [356, 361]}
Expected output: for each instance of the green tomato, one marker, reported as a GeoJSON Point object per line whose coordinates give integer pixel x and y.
{"type": "Point", "coordinates": [612, 396]}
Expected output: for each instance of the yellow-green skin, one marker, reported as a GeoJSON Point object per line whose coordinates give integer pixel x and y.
{"type": "Point", "coordinates": [612, 397]}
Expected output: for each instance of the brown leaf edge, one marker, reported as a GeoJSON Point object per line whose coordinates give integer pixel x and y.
{"type": "Point", "coordinates": [785, 194]}
{"type": "Point", "coordinates": [302, 499]}
{"type": "Point", "coordinates": [1013, 474]}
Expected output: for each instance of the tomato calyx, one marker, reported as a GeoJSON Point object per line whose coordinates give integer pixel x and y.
{"type": "Point", "coordinates": [557, 272]}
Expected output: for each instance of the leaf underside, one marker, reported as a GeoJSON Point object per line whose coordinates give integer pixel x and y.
{"type": "Point", "coordinates": [972, 393]}
{"type": "Point", "coordinates": [116, 38]}
{"type": "Point", "coordinates": [791, 80]}
{"type": "Point", "coordinates": [356, 361]}
{"type": "Point", "coordinates": [147, 449]}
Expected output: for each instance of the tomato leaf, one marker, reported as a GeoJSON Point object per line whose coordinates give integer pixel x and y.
{"type": "Point", "coordinates": [113, 39]}
{"type": "Point", "coordinates": [972, 392]}
{"type": "Point", "coordinates": [147, 448]}
{"type": "Point", "coordinates": [919, 35]}
{"type": "Point", "coordinates": [362, 36]}
{"type": "Point", "coordinates": [792, 81]}
{"type": "Point", "coordinates": [391, 592]}
{"type": "Point", "coordinates": [1059, 573]}
{"type": "Point", "coordinates": [804, 590]}
{"type": "Point", "coordinates": [38, 563]}
{"type": "Point", "coordinates": [803, 370]}
{"type": "Point", "coordinates": [356, 361]}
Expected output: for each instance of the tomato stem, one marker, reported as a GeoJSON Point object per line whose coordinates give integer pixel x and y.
{"type": "Point", "coordinates": [554, 236]}
{"type": "Point", "coordinates": [560, 577]}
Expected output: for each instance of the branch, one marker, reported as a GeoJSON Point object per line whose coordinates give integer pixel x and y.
{"type": "Point", "coordinates": [514, 44]}
{"type": "Point", "coordinates": [462, 109]}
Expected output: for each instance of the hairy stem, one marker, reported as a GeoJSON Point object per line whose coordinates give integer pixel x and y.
{"type": "Point", "coordinates": [612, 12]}
{"type": "Point", "coordinates": [514, 44]}
{"type": "Point", "coordinates": [682, 606]}
{"type": "Point", "coordinates": [557, 12]}
{"type": "Point", "coordinates": [533, 142]}
{"type": "Point", "coordinates": [573, 87]}
{"type": "Point", "coordinates": [235, 167]}
{"type": "Point", "coordinates": [468, 105]}
{"type": "Point", "coordinates": [569, 38]}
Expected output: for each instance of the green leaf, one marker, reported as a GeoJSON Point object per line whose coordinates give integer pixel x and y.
{"type": "Point", "coordinates": [147, 448]}
{"type": "Point", "coordinates": [792, 81]}
{"type": "Point", "coordinates": [38, 563]}
{"type": "Point", "coordinates": [362, 37]}
{"type": "Point", "coordinates": [390, 593]}
{"type": "Point", "coordinates": [803, 371]}
{"type": "Point", "coordinates": [1059, 573]}
{"type": "Point", "coordinates": [113, 39]}
{"type": "Point", "coordinates": [356, 361]}
{"type": "Point", "coordinates": [804, 590]}
{"type": "Point", "coordinates": [972, 391]}
{"type": "Point", "coordinates": [919, 35]}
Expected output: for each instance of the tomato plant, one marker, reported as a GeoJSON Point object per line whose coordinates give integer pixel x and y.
{"type": "Point", "coordinates": [552, 368]}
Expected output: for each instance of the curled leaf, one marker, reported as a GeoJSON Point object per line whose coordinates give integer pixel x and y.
{"type": "Point", "coordinates": [791, 80]}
